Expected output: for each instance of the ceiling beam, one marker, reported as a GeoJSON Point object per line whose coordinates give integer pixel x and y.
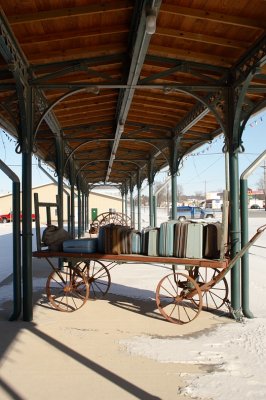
{"type": "Point", "coordinates": [140, 48]}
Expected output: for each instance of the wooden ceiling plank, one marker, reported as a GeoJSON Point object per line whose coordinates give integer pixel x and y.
{"type": "Point", "coordinates": [197, 37]}
{"type": "Point", "coordinates": [71, 12]}
{"type": "Point", "coordinates": [191, 55]}
{"type": "Point", "coordinates": [73, 54]}
{"type": "Point", "coordinates": [213, 17]}
{"type": "Point", "coordinates": [68, 35]}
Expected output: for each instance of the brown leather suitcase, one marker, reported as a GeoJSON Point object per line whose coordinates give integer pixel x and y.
{"type": "Point", "coordinates": [212, 240]}
{"type": "Point", "coordinates": [180, 239]}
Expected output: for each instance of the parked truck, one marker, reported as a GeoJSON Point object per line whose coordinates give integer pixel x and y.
{"type": "Point", "coordinates": [192, 212]}
{"type": "Point", "coordinates": [9, 217]}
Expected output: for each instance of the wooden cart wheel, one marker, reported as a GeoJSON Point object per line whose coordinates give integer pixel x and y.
{"type": "Point", "coordinates": [67, 289]}
{"type": "Point", "coordinates": [178, 298]}
{"type": "Point", "coordinates": [98, 277]}
{"type": "Point", "coordinates": [213, 297]}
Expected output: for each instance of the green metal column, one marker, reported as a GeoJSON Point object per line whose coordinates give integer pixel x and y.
{"type": "Point", "coordinates": [139, 199]}
{"type": "Point", "coordinates": [234, 228]}
{"type": "Point", "coordinates": [126, 192]}
{"type": "Point", "coordinates": [245, 235]}
{"type": "Point", "coordinates": [16, 241]}
{"type": "Point", "coordinates": [82, 213]}
{"type": "Point", "coordinates": [123, 203]}
{"type": "Point", "coordinates": [155, 210]}
{"type": "Point", "coordinates": [68, 213]}
{"type": "Point", "coordinates": [27, 236]}
{"type": "Point", "coordinates": [86, 212]}
{"type": "Point", "coordinates": [245, 258]}
{"type": "Point", "coordinates": [60, 181]}
{"type": "Point", "coordinates": [151, 181]}
{"type": "Point", "coordinates": [26, 149]}
{"type": "Point", "coordinates": [72, 202]}
{"type": "Point", "coordinates": [79, 211]}
{"type": "Point", "coordinates": [131, 208]}
{"type": "Point", "coordinates": [174, 170]}
{"type": "Point", "coordinates": [131, 187]}
{"type": "Point", "coordinates": [174, 194]}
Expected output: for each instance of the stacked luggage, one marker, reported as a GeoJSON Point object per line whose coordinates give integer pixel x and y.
{"type": "Point", "coordinates": [188, 239]}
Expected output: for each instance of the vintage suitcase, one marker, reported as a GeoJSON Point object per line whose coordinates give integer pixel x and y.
{"type": "Point", "coordinates": [125, 240]}
{"type": "Point", "coordinates": [150, 241]}
{"type": "Point", "coordinates": [136, 242]}
{"type": "Point", "coordinates": [101, 239]}
{"type": "Point", "coordinates": [166, 238]}
{"type": "Point", "coordinates": [212, 240]}
{"type": "Point", "coordinates": [89, 245]}
{"type": "Point", "coordinates": [194, 245]}
{"type": "Point", "coordinates": [112, 239]}
{"type": "Point", "coordinates": [180, 239]}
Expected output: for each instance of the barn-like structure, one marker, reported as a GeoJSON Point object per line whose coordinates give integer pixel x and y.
{"type": "Point", "coordinates": [110, 92]}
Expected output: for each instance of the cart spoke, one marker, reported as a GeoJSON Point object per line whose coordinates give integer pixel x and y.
{"type": "Point", "coordinates": [98, 277]}
{"type": "Point", "coordinates": [68, 290]}
{"type": "Point", "coordinates": [214, 297]}
{"type": "Point", "coordinates": [184, 304]}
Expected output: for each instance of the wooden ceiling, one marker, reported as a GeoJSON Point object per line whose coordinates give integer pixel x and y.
{"type": "Point", "coordinates": [120, 84]}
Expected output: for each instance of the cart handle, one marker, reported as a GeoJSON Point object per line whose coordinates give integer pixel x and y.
{"type": "Point", "coordinates": [259, 232]}
{"type": "Point", "coordinates": [261, 228]}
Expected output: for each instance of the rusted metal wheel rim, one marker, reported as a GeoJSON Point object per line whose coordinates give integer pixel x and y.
{"type": "Point", "coordinates": [214, 297]}
{"type": "Point", "coordinates": [178, 298]}
{"type": "Point", "coordinates": [67, 289]}
{"type": "Point", "coordinates": [98, 277]}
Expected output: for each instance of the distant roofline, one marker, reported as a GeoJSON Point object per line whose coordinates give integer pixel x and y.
{"type": "Point", "coordinates": [54, 184]}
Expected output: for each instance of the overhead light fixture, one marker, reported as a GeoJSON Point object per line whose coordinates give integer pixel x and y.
{"type": "Point", "coordinates": [151, 22]}
{"type": "Point", "coordinates": [121, 128]}
{"type": "Point", "coordinates": [92, 89]}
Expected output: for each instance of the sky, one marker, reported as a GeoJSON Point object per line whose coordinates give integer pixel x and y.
{"type": "Point", "coordinates": [202, 171]}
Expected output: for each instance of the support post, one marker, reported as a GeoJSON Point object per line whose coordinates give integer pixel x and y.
{"type": "Point", "coordinates": [244, 234]}
{"type": "Point", "coordinates": [155, 210]}
{"type": "Point", "coordinates": [151, 181]}
{"type": "Point", "coordinates": [174, 171]}
{"type": "Point", "coordinates": [79, 211]}
{"type": "Point", "coordinates": [235, 228]}
{"type": "Point", "coordinates": [139, 199]}
{"type": "Point", "coordinates": [16, 241]}
{"type": "Point", "coordinates": [27, 235]}
{"type": "Point", "coordinates": [132, 213]}
{"type": "Point", "coordinates": [126, 192]}
{"type": "Point", "coordinates": [60, 180]}
{"type": "Point", "coordinates": [72, 203]}
{"type": "Point", "coordinates": [233, 146]}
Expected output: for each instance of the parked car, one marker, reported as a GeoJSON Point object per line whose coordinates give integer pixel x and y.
{"type": "Point", "coordinates": [9, 217]}
{"type": "Point", "coordinates": [255, 206]}
{"type": "Point", "coordinates": [188, 212]}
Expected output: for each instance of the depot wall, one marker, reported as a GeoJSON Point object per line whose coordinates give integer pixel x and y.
{"type": "Point", "coordinates": [47, 193]}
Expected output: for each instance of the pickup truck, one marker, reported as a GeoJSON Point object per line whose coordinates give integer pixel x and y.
{"type": "Point", "coordinates": [9, 217]}
{"type": "Point", "coordinates": [191, 212]}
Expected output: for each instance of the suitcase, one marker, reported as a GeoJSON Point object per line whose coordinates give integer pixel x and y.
{"type": "Point", "coordinates": [166, 238]}
{"type": "Point", "coordinates": [212, 240]}
{"type": "Point", "coordinates": [180, 239]}
{"type": "Point", "coordinates": [112, 239]}
{"type": "Point", "coordinates": [126, 240]}
{"type": "Point", "coordinates": [194, 245]}
{"type": "Point", "coordinates": [81, 245]}
{"type": "Point", "coordinates": [101, 239]}
{"type": "Point", "coordinates": [136, 241]}
{"type": "Point", "coordinates": [150, 241]}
